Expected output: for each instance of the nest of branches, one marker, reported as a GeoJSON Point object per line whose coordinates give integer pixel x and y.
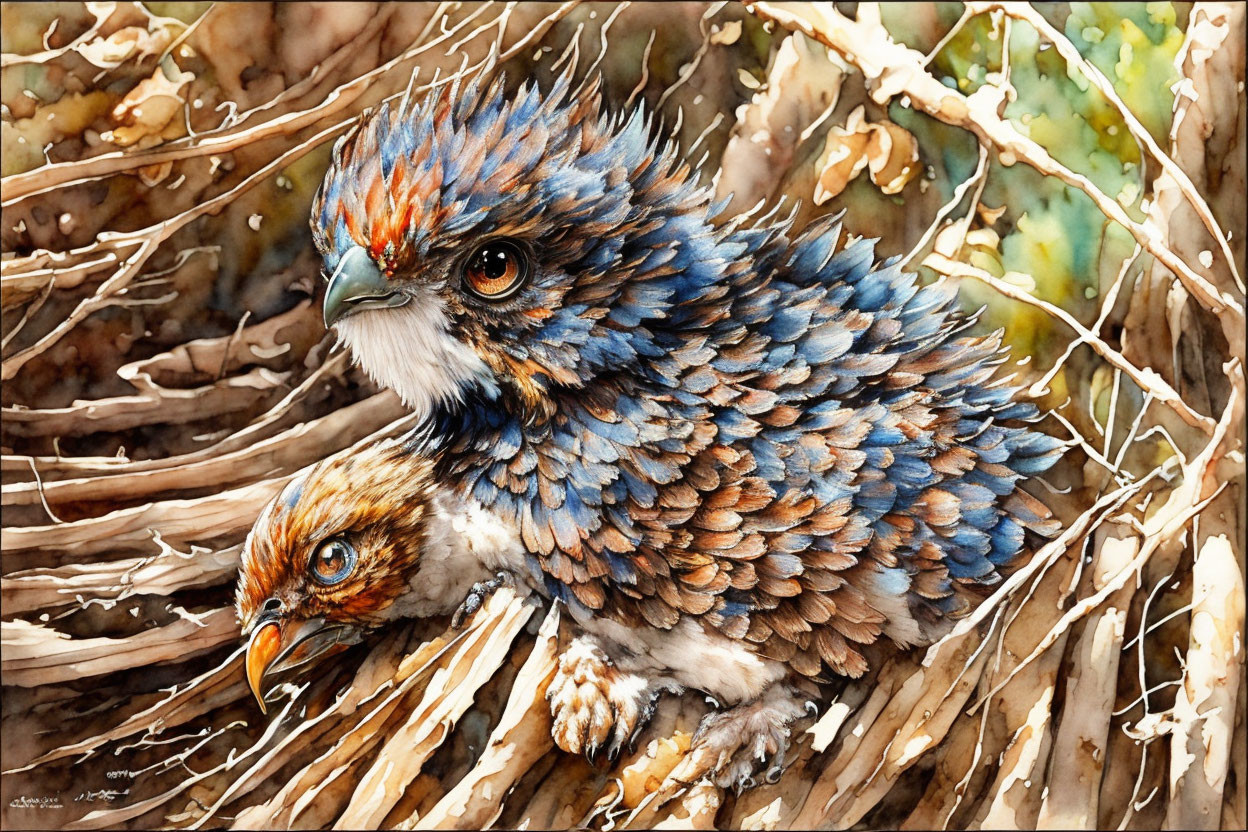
{"type": "Point", "coordinates": [166, 372]}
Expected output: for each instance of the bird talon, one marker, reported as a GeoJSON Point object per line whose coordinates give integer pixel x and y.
{"type": "Point", "coordinates": [477, 595]}
{"type": "Point", "coordinates": [470, 605]}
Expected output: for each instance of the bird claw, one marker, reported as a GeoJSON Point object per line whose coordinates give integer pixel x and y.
{"type": "Point", "coordinates": [476, 598]}
{"type": "Point", "coordinates": [647, 712]}
{"type": "Point", "coordinates": [597, 708]}
{"type": "Point", "coordinates": [744, 746]}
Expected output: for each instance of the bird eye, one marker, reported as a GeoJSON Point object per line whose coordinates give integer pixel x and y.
{"type": "Point", "coordinates": [496, 270]}
{"type": "Point", "coordinates": [332, 562]}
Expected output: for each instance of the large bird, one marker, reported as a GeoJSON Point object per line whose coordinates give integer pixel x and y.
{"type": "Point", "coordinates": [736, 454]}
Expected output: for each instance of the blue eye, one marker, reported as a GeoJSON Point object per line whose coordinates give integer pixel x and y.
{"type": "Point", "coordinates": [332, 562]}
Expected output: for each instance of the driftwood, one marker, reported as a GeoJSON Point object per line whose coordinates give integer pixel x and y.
{"type": "Point", "coordinates": [166, 372]}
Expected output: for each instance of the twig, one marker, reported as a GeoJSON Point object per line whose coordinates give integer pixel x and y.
{"type": "Point", "coordinates": [1113, 411]}
{"type": "Point", "coordinates": [1110, 299]}
{"type": "Point", "coordinates": [12, 59]}
{"type": "Point", "coordinates": [692, 66]}
{"type": "Point", "coordinates": [1147, 378]}
{"type": "Point", "coordinates": [602, 37]}
{"type": "Point", "coordinates": [645, 71]}
{"type": "Point", "coordinates": [1087, 605]}
{"type": "Point", "coordinates": [1133, 805]}
{"type": "Point", "coordinates": [1055, 548]}
{"type": "Point", "coordinates": [1159, 529]}
{"type": "Point", "coordinates": [151, 238]}
{"type": "Point", "coordinates": [1088, 449]}
{"type": "Point", "coordinates": [43, 499]}
{"type": "Point", "coordinates": [1135, 426]}
{"type": "Point", "coordinates": [1025, 12]}
{"type": "Point", "coordinates": [710, 128]}
{"type": "Point", "coordinates": [229, 345]}
{"type": "Point", "coordinates": [62, 174]}
{"type": "Point", "coordinates": [967, 14]}
{"type": "Point", "coordinates": [892, 69]}
{"type": "Point", "coordinates": [30, 310]}
{"type": "Point", "coordinates": [1143, 697]}
{"type": "Point", "coordinates": [975, 180]}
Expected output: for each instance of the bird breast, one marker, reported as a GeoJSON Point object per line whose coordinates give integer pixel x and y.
{"type": "Point", "coordinates": [464, 543]}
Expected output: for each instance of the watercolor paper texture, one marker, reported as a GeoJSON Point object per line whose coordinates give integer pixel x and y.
{"type": "Point", "coordinates": [1075, 170]}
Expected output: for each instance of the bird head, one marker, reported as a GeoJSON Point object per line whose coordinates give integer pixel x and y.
{"type": "Point", "coordinates": [504, 245]}
{"type": "Point", "coordinates": [329, 557]}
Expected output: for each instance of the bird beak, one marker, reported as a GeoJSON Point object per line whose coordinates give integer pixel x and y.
{"type": "Point", "coordinates": [277, 645]}
{"type": "Point", "coordinates": [356, 285]}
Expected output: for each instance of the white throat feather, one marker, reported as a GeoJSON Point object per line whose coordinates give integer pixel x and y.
{"type": "Point", "coordinates": [411, 350]}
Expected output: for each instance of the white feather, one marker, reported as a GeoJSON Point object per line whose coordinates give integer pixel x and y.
{"type": "Point", "coordinates": [692, 655]}
{"type": "Point", "coordinates": [464, 543]}
{"type": "Point", "coordinates": [411, 350]}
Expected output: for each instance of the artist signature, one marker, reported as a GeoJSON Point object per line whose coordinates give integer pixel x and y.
{"type": "Point", "coordinates": [27, 802]}
{"type": "Point", "coordinates": [54, 801]}
{"type": "Point", "coordinates": [106, 795]}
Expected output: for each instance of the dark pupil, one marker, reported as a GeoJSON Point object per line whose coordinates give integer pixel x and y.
{"type": "Point", "coordinates": [494, 263]}
{"type": "Point", "coordinates": [331, 560]}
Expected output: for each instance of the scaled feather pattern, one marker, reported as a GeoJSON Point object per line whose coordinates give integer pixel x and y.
{"type": "Point", "coordinates": [797, 446]}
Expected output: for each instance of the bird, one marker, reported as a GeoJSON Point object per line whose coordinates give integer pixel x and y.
{"type": "Point", "coordinates": [347, 546]}
{"type": "Point", "coordinates": [741, 456]}
{"type": "Point", "coordinates": [304, 593]}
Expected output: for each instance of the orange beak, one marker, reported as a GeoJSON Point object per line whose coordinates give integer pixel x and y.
{"type": "Point", "coordinates": [278, 644]}
{"type": "Point", "coordinates": [266, 643]}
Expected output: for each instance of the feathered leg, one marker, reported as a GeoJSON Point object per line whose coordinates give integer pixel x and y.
{"type": "Point", "coordinates": [596, 704]}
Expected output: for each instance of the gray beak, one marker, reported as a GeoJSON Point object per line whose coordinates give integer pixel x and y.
{"type": "Point", "coordinates": [356, 285]}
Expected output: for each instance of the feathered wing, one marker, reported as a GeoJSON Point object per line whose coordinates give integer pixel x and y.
{"type": "Point", "coordinates": [815, 457]}
{"type": "Point", "coordinates": [893, 446]}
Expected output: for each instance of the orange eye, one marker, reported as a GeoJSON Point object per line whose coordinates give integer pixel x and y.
{"type": "Point", "coordinates": [496, 270]}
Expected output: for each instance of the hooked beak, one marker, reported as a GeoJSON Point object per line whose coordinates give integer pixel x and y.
{"type": "Point", "coordinates": [356, 285]}
{"type": "Point", "coordinates": [277, 644]}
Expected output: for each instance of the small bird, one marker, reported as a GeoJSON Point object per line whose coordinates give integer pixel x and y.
{"type": "Point", "coordinates": [304, 591]}
{"type": "Point", "coordinates": [350, 544]}
{"type": "Point", "coordinates": [738, 455]}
